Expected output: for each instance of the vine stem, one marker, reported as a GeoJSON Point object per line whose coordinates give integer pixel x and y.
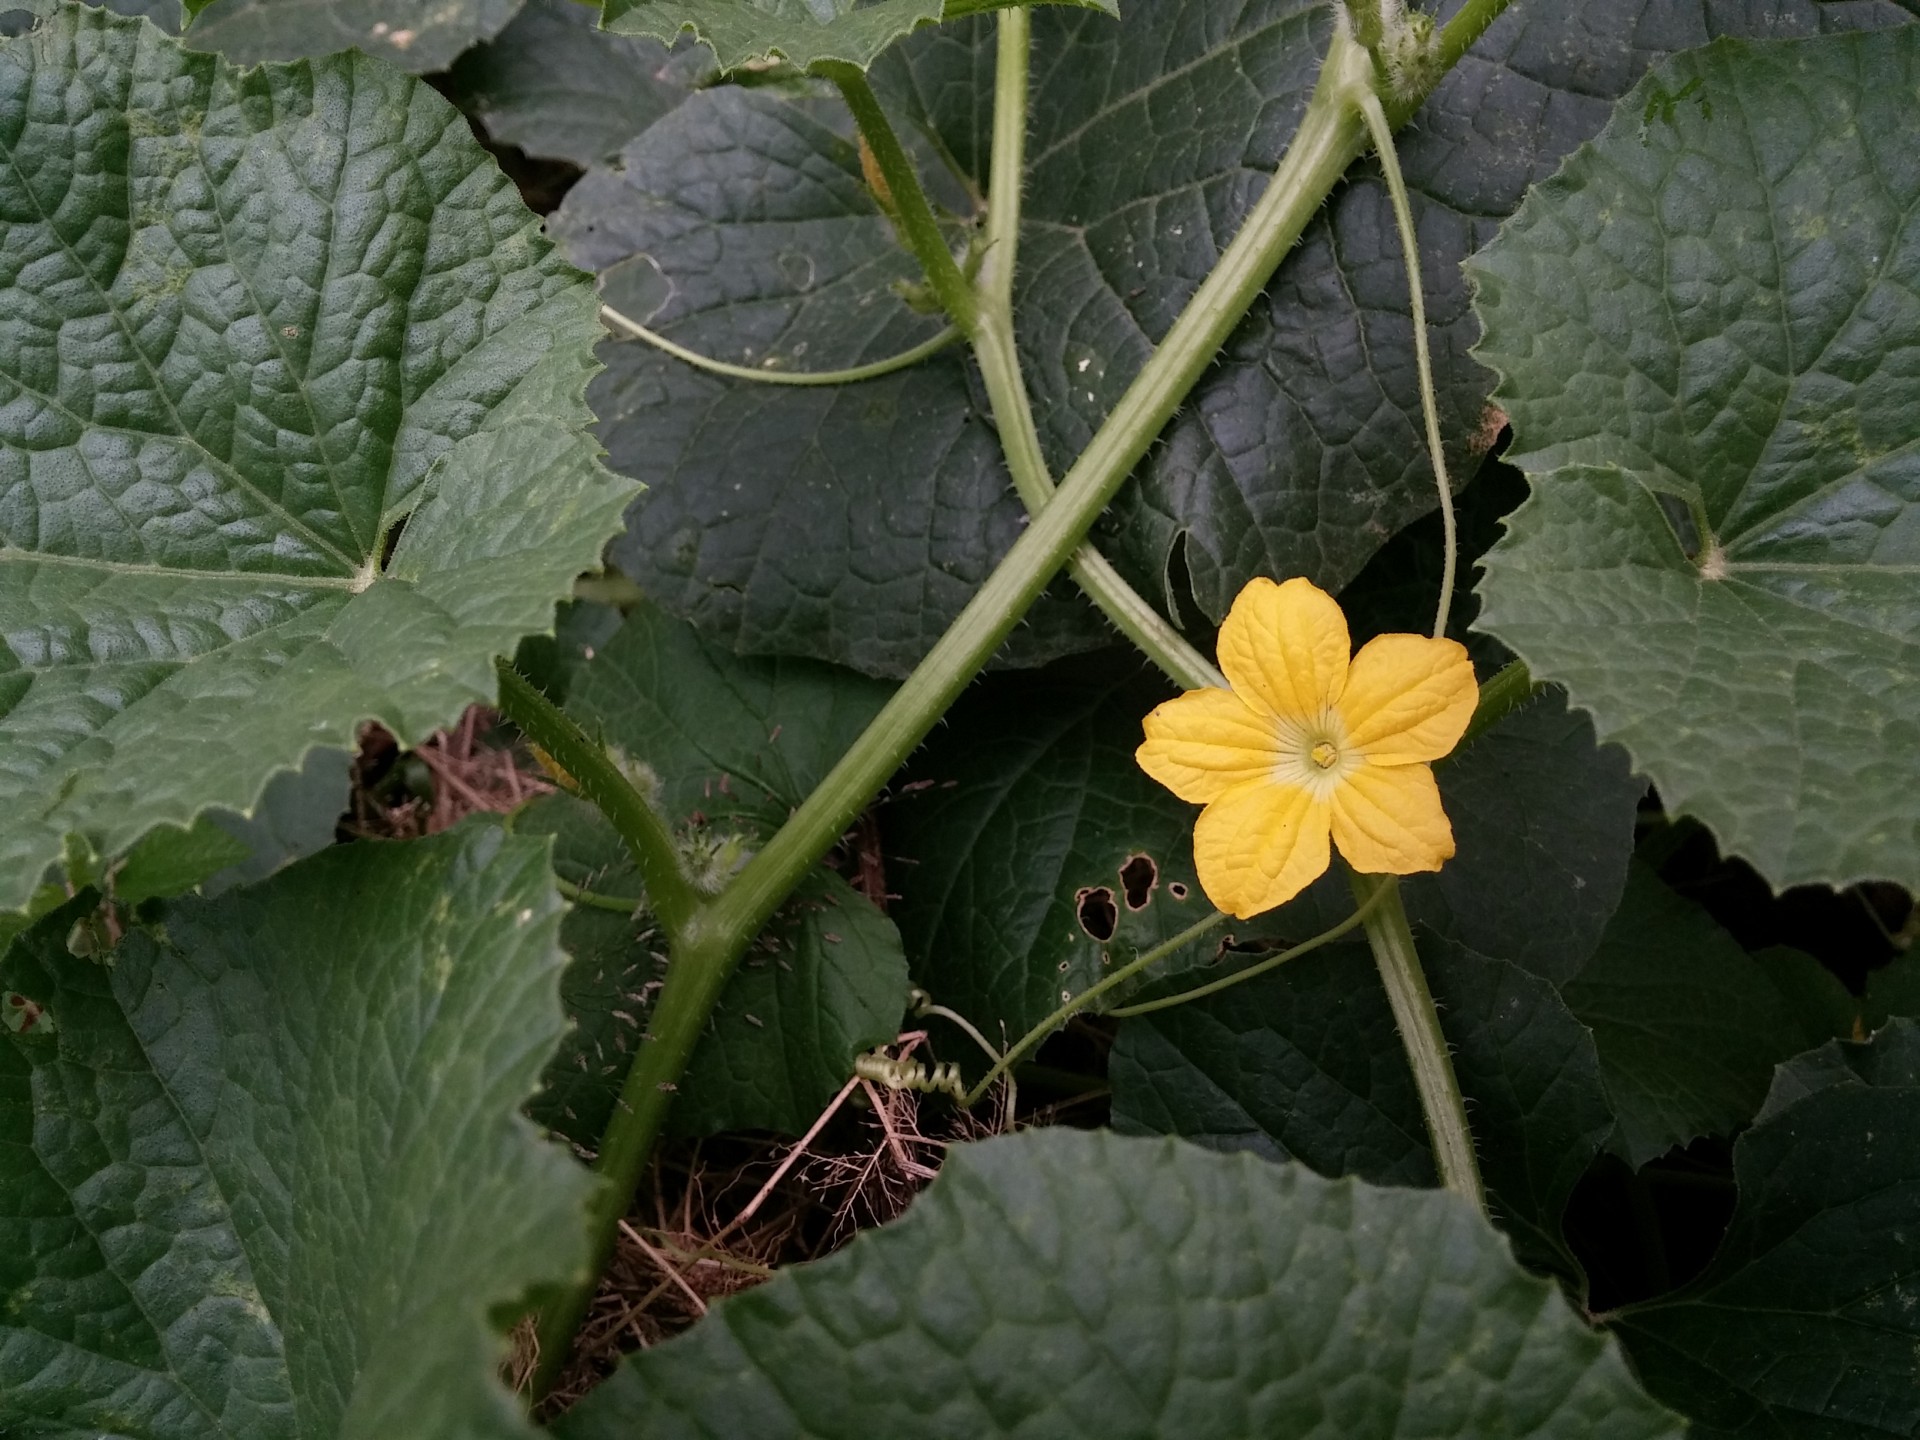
{"type": "Point", "coordinates": [670, 896]}
{"type": "Point", "coordinates": [1071, 1007]}
{"type": "Point", "coordinates": [1414, 1012]}
{"type": "Point", "coordinates": [906, 359]}
{"type": "Point", "coordinates": [1382, 136]}
{"type": "Point", "coordinates": [707, 948]}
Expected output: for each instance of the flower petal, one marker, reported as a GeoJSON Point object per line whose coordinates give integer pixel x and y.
{"type": "Point", "coordinates": [1260, 845]}
{"type": "Point", "coordinates": [1387, 820]}
{"type": "Point", "coordinates": [1408, 698]}
{"type": "Point", "coordinates": [1206, 742]}
{"type": "Point", "coordinates": [1285, 647]}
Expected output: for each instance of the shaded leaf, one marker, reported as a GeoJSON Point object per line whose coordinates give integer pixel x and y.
{"type": "Point", "coordinates": [173, 860]}
{"type": "Point", "coordinates": [1543, 828]}
{"type": "Point", "coordinates": [1743, 346]}
{"type": "Point", "coordinates": [556, 85]}
{"type": "Point", "coordinates": [1689, 1026]}
{"type": "Point", "coordinates": [743, 741]}
{"type": "Point", "coordinates": [1008, 835]}
{"type": "Point", "coordinates": [1068, 1284]}
{"type": "Point", "coordinates": [267, 1178]}
{"type": "Point", "coordinates": [309, 309]}
{"type": "Point", "coordinates": [416, 35]}
{"type": "Point", "coordinates": [1807, 1323]}
{"type": "Point", "coordinates": [1305, 1062]}
{"type": "Point", "coordinates": [827, 983]}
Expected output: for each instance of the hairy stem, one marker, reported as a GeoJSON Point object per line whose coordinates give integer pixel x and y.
{"type": "Point", "coordinates": [1499, 697]}
{"type": "Point", "coordinates": [1419, 1023]}
{"type": "Point", "coordinates": [1030, 1041]}
{"type": "Point", "coordinates": [908, 200]}
{"type": "Point", "coordinates": [1469, 23]}
{"type": "Point", "coordinates": [669, 895]}
{"type": "Point", "coordinates": [1227, 982]}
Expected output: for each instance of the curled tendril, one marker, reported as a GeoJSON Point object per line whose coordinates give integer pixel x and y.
{"type": "Point", "coordinates": [882, 1069]}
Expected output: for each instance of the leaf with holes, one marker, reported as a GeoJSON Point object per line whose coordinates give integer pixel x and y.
{"type": "Point", "coordinates": [1689, 1026]}
{"type": "Point", "coordinates": [1807, 1323]}
{"type": "Point", "coordinates": [1305, 1062]}
{"type": "Point", "coordinates": [1033, 1289]}
{"type": "Point", "coordinates": [1720, 556]}
{"type": "Point", "coordinates": [555, 84]}
{"type": "Point", "coordinates": [267, 1179]}
{"type": "Point", "coordinates": [1031, 853]}
{"type": "Point", "coordinates": [417, 35]}
{"type": "Point", "coordinates": [308, 309]}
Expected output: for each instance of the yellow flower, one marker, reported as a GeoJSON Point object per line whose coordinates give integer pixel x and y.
{"type": "Point", "coordinates": [1310, 744]}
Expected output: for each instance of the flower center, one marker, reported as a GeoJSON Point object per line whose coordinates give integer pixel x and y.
{"type": "Point", "coordinates": [1314, 753]}
{"type": "Point", "coordinates": [1326, 755]}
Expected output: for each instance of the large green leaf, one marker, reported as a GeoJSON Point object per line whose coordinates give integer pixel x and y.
{"type": "Point", "coordinates": [1031, 854]}
{"type": "Point", "coordinates": [1306, 1063]}
{"type": "Point", "coordinates": [1063, 1284]}
{"type": "Point", "coordinates": [416, 35]}
{"type": "Point", "coordinates": [250, 321]}
{"type": "Point", "coordinates": [1736, 339]}
{"type": "Point", "coordinates": [557, 85]}
{"type": "Point", "coordinates": [1689, 1026]}
{"type": "Point", "coordinates": [826, 983]}
{"type": "Point", "coordinates": [1807, 1324]}
{"type": "Point", "coordinates": [266, 1177]}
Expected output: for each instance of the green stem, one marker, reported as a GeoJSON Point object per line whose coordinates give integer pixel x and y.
{"type": "Point", "coordinates": [1227, 982]}
{"type": "Point", "coordinates": [1468, 24]}
{"type": "Point", "coordinates": [909, 201]}
{"type": "Point", "coordinates": [669, 895]}
{"type": "Point", "coordinates": [1028, 1042]}
{"type": "Point", "coordinates": [1511, 688]}
{"type": "Point", "coordinates": [698, 969]}
{"type": "Point", "coordinates": [1331, 135]}
{"type": "Point", "coordinates": [852, 375]}
{"type": "Point", "coordinates": [594, 900]}
{"type": "Point", "coordinates": [1382, 134]}
{"type": "Point", "coordinates": [1419, 1022]}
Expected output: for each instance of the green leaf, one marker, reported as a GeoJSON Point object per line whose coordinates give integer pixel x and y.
{"type": "Point", "coordinates": [801, 32]}
{"type": "Point", "coordinates": [172, 860]}
{"type": "Point", "coordinates": [417, 35]}
{"type": "Point", "coordinates": [297, 816]}
{"type": "Point", "coordinates": [1737, 342]}
{"type": "Point", "coordinates": [1031, 854]}
{"type": "Point", "coordinates": [267, 1178]}
{"type": "Point", "coordinates": [1807, 1323]}
{"type": "Point", "coordinates": [827, 983]}
{"type": "Point", "coordinates": [1305, 1062]}
{"type": "Point", "coordinates": [556, 85]}
{"type": "Point", "coordinates": [741, 227]}
{"type": "Point", "coordinates": [1688, 1025]}
{"type": "Point", "coordinates": [1543, 827]}
{"type": "Point", "coordinates": [742, 741]}
{"type": "Point", "coordinates": [1061, 1283]}
{"type": "Point", "coordinates": [311, 308]}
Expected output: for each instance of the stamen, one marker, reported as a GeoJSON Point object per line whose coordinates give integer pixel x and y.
{"type": "Point", "coordinates": [1325, 755]}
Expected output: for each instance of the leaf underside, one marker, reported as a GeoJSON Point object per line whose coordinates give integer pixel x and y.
{"type": "Point", "coordinates": [267, 1179]}
{"type": "Point", "coordinates": [250, 321]}
{"type": "Point", "coordinates": [1739, 338]}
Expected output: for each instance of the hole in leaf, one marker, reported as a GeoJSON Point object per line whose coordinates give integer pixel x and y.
{"type": "Point", "coordinates": [1177, 890]}
{"type": "Point", "coordinates": [392, 541]}
{"type": "Point", "coordinates": [1137, 879]}
{"type": "Point", "coordinates": [23, 1016]}
{"type": "Point", "coordinates": [1099, 916]}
